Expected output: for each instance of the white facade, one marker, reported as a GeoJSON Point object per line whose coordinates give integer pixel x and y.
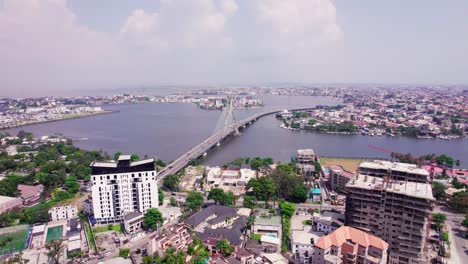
{"type": "Point", "coordinates": [63, 212]}
{"type": "Point", "coordinates": [123, 187]}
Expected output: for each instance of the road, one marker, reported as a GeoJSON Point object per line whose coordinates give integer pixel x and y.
{"type": "Point", "coordinates": [459, 244]}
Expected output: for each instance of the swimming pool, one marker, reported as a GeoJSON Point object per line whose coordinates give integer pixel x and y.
{"type": "Point", "coordinates": [54, 233]}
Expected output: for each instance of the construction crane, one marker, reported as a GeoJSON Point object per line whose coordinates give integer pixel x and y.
{"type": "Point", "coordinates": [418, 161]}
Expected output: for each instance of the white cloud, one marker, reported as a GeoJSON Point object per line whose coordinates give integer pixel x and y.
{"type": "Point", "coordinates": [301, 18]}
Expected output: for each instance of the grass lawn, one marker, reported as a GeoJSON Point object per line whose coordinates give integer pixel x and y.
{"type": "Point", "coordinates": [350, 164]}
{"type": "Point", "coordinates": [100, 229]}
{"type": "Point", "coordinates": [255, 237]}
{"type": "Point", "coordinates": [89, 234]}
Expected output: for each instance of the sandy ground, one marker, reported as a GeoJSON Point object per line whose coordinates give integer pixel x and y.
{"type": "Point", "coordinates": [348, 164]}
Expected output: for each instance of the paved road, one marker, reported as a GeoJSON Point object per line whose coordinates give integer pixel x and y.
{"type": "Point", "coordinates": [459, 244]}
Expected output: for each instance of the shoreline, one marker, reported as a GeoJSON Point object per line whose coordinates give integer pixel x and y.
{"type": "Point", "coordinates": [61, 119]}
{"type": "Point", "coordinates": [358, 133]}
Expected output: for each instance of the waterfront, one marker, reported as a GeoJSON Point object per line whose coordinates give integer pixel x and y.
{"type": "Point", "coordinates": [168, 130]}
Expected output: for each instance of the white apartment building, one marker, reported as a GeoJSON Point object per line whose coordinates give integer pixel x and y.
{"type": "Point", "coordinates": [123, 186]}
{"type": "Point", "coordinates": [63, 212]}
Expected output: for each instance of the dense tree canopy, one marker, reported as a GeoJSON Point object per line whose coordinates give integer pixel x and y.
{"type": "Point", "coordinates": [153, 218]}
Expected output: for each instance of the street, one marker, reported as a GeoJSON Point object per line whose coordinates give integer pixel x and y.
{"type": "Point", "coordinates": [458, 242]}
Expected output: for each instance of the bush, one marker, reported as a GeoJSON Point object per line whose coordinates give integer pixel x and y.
{"type": "Point", "coordinates": [124, 252]}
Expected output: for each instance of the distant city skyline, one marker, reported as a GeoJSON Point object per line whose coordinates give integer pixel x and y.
{"type": "Point", "coordinates": [60, 46]}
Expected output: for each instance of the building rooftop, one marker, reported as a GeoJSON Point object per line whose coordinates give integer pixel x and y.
{"type": "Point", "coordinates": [132, 215]}
{"type": "Point", "coordinates": [114, 164]}
{"type": "Point", "coordinates": [345, 234]}
{"type": "Point", "coordinates": [28, 191]}
{"type": "Point", "coordinates": [221, 213]}
{"type": "Point", "coordinates": [305, 237]}
{"type": "Point", "coordinates": [6, 199]}
{"type": "Point", "coordinates": [339, 170]}
{"type": "Point", "coordinates": [413, 189]}
{"type": "Point", "coordinates": [305, 152]}
{"type": "Point", "coordinates": [394, 166]}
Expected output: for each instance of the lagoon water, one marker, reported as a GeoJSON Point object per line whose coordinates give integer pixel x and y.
{"type": "Point", "coordinates": [168, 130]}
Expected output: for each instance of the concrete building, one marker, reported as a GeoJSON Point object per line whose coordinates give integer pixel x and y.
{"type": "Point", "coordinates": [266, 224]}
{"type": "Point", "coordinates": [121, 187]}
{"type": "Point", "coordinates": [303, 238]}
{"type": "Point", "coordinates": [305, 156]}
{"type": "Point", "coordinates": [133, 222]}
{"type": "Point", "coordinates": [395, 170]}
{"type": "Point", "coordinates": [9, 203]}
{"type": "Point", "coordinates": [65, 212]}
{"type": "Point", "coordinates": [396, 211]}
{"type": "Point", "coordinates": [339, 177]}
{"type": "Point", "coordinates": [350, 245]}
{"type": "Point", "coordinates": [88, 206]}
{"type": "Point", "coordinates": [30, 194]}
{"type": "Point", "coordinates": [177, 236]}
{"type": "Point", "coordinates": [325, 224]}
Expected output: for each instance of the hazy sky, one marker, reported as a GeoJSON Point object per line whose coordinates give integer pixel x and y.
{"type": "Point", "coordinates": [50, 45]}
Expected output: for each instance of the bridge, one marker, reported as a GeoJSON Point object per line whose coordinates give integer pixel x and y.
{"type": "Point", "coordinates": [209, 143]}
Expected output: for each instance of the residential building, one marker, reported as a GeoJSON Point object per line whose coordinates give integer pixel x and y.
{"type": "Point", "coordinates": [30, 194]}
{"type": "Point", "coordinates": [9, 203]}
{"type": "Point", "coordinates": [121, 187]}
{"type": "Point", "coordinates": [396, 211]}
{"type": "Point", "coordinates": [325, 224]}
{"type": "Point", "coordinates": [219, 222]}
{"type": "Point", "coordinates": [339, 177]}
{"type": "Point", "coordinates": [303, 238]}
{"type": "Point", "coordinates": [88, 206]}
{"type": "Point", "coordinates": [266, 223]}
{"type": "Point", "coordinates": [65, 212]}
{"type": "Point", "coordinates": [133, 222]}
{"type": "Point", "coordinates": [177, 236]}
{"type": "Point", "coordinates": [350, 245]}
{"type": "Point", "coordinates": [305, 156]}
{"type": "Point", "coordinates": [395, 170]}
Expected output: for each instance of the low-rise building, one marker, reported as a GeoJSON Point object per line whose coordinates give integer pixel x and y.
{"type": "Point", "coordinates": [30, 194]}
{"type": "Point", "coordinates": [9, 203]}
{"type": "Point", "coordinates": [133, 222]}
{"type": "Point", "coordinates": [65, 212]}
{"type": "Point", "coordinates": [325, 224]}
{"type": "Point", "coordinates": [266, 223]}
{"type": "Point", "coordinates": [305, 156]}
{"type": "Point", "coordinates": [88, 206]}
{"type": "Point", "coordinates": [339, 177]}
{"type": "Point", "coordinates": [350, 245]}
{"type": "Point", "coordinates": [177, 236]}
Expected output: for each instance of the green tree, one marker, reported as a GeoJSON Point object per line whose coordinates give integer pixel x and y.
{"type": "Point", "coordinates": [134, 157]}
{"type": "Point", "coordinates": [173, 201]}
{"type": "Point", "coordinates": [194, 201]}
{"type": "Point", "coordinates": [249, 201]}
{"type": "Point", "coordinates": [439, 190]}
{"type": "Point", "coordinates": [445, 160]}
{"type": "Point", "coordinates": [71, 184]}
{"type": "Point", "coordinates": [229, 199]}
{"type": "Point", "coordinates": [299, 194]}
{"type": "Point", "coordinates": [160, 163]}
{"type": "Point", "coordinates": [124, 252]}
{"type": "Point", "coordinates": [216, 194]}
{"type": "Point", "coordinates": [263, 188]}
{"type": "Point", "coordinates": [194, 162]}
{"type": "Point", "coordinates": [117, 155]}
{"type": "Point", "coordinates": [153, 218]}
{"type": "Point", "coordinates": [287, 209]}
{"type": "Point", "coordinates": [457, 184]}
{"type": "Point", "coordinates": [160, 196]}
{"type": "Point", "coordinates": [224, 247]}
{"type": "Point", "coordinates": [171, 182]}
{"type": "Point", "coordinates": [459, 202]}
{"type": "Point", "coordinates": [439, 219]}
{"type": "Point", "coordinates": [55, 250]}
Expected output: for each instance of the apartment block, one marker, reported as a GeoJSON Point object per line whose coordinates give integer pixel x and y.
{"type": "Point", "coordinates": [395, 170]}
{"type": "Point", "coordinates": [339, 177]}
{"type": "Point", "coordinates": [396, 211]}
{"type": "Point", "coordinates": [350, 245]}
{"type": "Point", "coordinates": [65, 212]}
{"type": "Point", "coordinates": [121, 187]}
{"type": "Point", "coordinates": [305, 156]}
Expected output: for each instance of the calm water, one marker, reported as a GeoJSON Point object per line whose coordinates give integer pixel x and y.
{"type": "Point", "coordinates": [168, 130]}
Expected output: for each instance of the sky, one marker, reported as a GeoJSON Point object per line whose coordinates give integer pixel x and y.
{"type": "Point", "coordinates": [48, 46]}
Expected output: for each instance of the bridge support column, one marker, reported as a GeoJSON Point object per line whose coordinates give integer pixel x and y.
{"type": "Point", "coordinates": [219, 144]}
